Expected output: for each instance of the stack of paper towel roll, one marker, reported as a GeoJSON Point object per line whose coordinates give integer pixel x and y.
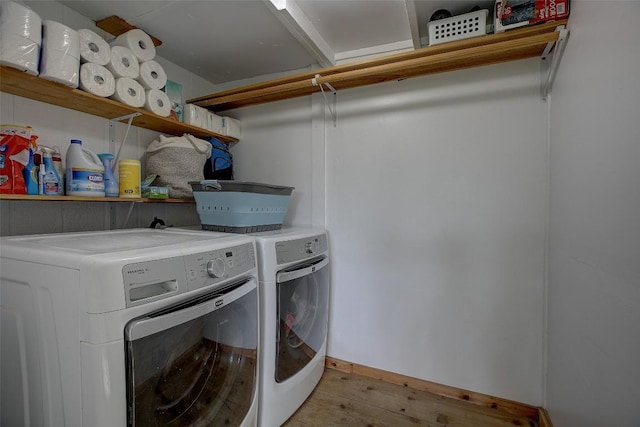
{"type": "Point", "coordinates": [20, 37]}
{"type": "Point", "coordinates": [95, 54]}
{"type": "Point", "coordinates": [139, 79]}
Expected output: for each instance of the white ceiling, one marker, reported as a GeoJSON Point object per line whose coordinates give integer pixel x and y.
{"type": "Point", "coordinates": [227, 40]}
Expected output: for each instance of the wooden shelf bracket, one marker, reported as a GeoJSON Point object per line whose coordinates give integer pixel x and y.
{"type": "Point", "coordinates": [550, 60]}
{"type": "Point", "coordinates": [333, 111]}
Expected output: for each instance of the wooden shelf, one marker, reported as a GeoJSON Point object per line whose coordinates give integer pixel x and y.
{"type": "Point", "coordinates": [22, 84]}
{"type": "Point", "coordinates": [512, 45]}
{"type": "Point", "coordinates": [29, 198]}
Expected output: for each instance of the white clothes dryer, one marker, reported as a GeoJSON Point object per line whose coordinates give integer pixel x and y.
{"type": "Point", "coordinates": [129, 327]}
{"type": "Point", "coordinates": [294, 284]}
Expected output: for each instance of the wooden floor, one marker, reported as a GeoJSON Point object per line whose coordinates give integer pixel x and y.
{"type": "Point", "coordinates": [347, 399]}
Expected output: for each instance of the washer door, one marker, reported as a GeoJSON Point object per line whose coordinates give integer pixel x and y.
{"type": "Point", "coordinates": [194, 364]}
{"type": "Point", "coordinates": [302, 309]}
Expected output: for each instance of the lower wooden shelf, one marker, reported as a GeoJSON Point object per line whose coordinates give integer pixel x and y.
{"type": "Point", "coordinates": [39, 198]}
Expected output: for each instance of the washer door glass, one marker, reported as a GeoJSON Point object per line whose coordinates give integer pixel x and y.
{"type": "Point", "coordinates": [194, 364]}
{"type": "Point", "coordinates": [302, 306]}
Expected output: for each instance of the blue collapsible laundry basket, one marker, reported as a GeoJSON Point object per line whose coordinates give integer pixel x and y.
{"type": "Point", "coordinates": [239, 206]}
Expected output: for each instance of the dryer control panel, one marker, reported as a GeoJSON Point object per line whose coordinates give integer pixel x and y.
{"type": "Point", "coordinates": [160, 278]}
{"type": "Point", "coordinates": [300, 249]}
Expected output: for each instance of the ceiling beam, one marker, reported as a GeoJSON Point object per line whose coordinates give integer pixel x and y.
{"type": "Point", "coordinates": [299, 25]}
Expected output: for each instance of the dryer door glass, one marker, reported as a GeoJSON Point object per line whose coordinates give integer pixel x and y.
{"type": "Point", "coordinates": [194, 363]}
{"type": "Point", "coordinates": [302, 306]}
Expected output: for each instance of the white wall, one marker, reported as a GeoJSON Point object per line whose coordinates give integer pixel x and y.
{"type": "Point", "coordinates": [435, 205]}
{"type": "Point", "coordinates": [436, 208]}
{"type": "Point", "coordinates": [594, 254]}
{"type": "Point", "coordinates": [57, 126]}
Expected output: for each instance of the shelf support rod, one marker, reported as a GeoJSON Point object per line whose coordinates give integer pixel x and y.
{"type": "Point", "coordinates": [112, 135]}
{"type": "Point", "coordinates": [332, 111]}
{"type": "Point", "coordinates": [550, 60]}
{"type": "Point", "coordinates": [112, 147]}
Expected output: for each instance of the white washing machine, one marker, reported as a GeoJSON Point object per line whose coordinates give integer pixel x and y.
{"type": "Point", "coordinates": [129, 327]}
{"type": "Point", "coordinates": [294, 304]}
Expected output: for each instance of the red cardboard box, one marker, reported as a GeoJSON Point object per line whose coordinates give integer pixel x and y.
{"type": "Point", "coordinates": [519, 13]}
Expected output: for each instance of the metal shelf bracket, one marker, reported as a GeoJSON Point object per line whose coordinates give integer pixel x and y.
{"type": "Point", "coordinates": [550, 60]}
{"type": "Point", "coordinates": [332, 111]}
{"type": "Point", "coordinates": [112, 134]}
{"type": "Point", "coordinates": [112, 148]}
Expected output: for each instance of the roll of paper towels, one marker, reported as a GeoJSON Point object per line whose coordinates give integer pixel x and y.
{"type": "Point", "coordinates": [56, 36]}
{"type": "Point", "coordinates": [138, 42]}
{"type": "Point", "coordinates": [19, 20]}
{"type": "Point", "coordinates": [152, 75]}
{"type": "Point", "coordinates": [129, 91]}
{"type": "Point", "coordinates": [123, 63]}
{"type": "Point", "coordinates": [96, 79]}
{"type": "Point", "coordinates": [93, 48]}
{"type": "Point", "coordinates": [158, 102]}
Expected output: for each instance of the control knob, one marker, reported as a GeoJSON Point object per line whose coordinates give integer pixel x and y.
{"type": "Point", "coordinates": [308, 248]}
{"type": "Point", "coordinates": [215, 268]}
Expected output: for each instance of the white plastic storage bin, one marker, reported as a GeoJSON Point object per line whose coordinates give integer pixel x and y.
{"type": "Point", "coordinates": [240, 207]}
{"type": "Point", "coordinates": [459, 27]}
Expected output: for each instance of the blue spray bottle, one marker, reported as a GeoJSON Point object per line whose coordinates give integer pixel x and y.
{"type": "Point", "coordinates": [30, 171]}
{"type": "Point", "coordinates": [111, 187]}
{"type": "Point", "coordinates": [50, 180]}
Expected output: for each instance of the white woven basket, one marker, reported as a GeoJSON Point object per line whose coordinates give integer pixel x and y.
{"type": "Point", "coordinates": [459, 27]}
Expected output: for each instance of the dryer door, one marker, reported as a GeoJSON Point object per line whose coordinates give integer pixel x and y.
{"type": "Point", "coordinates": [194, 363]}
{"type": "Point", "coordinates": [302, 307]}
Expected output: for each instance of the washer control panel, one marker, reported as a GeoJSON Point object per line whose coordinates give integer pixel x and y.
{"type": "Point", "coordinates": [300, 249]}
{"type": "Point", "coordinates": [205, 269]}
{"type": "Point", "coordinates": [160, 278]}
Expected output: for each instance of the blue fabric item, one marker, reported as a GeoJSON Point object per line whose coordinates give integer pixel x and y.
{"type": "Point", "coordinates": [220, 165]}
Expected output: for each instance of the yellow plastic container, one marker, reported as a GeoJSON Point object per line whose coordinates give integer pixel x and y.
{"type": "Point", "coordinates": [129, 174]}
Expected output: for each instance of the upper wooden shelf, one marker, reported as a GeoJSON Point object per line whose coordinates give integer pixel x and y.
{"type": "Point", "coordinates": [22, 84]}
{"type": "Point", "coordinates": [39, 198]}
{"type": "Point", "coordinates": [512, 45]}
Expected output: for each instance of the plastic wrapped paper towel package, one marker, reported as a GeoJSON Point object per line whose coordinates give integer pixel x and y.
{"type": "Point", "coordinates": [240, 207]}
{"type": "Point", "coordinates": [231, 127]}
{"type": "Point", "coordinates": [198, 116]}
{"type": "Point", "coordinates": [20, 37]}
{"type": "Point", "coordinates": [60, 58]}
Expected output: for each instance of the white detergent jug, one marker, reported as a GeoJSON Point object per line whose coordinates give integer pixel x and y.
{"type": "Point", "coordinates": [85, 171]}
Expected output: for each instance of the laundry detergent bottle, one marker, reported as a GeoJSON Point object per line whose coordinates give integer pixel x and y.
{"type": "Point", "coordinates": [111, 186]}
{"type": "Point", "coordinates": [85, 172]}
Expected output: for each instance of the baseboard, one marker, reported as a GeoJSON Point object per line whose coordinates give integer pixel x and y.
{"type": "Point", "coordinates": [505, 405]}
